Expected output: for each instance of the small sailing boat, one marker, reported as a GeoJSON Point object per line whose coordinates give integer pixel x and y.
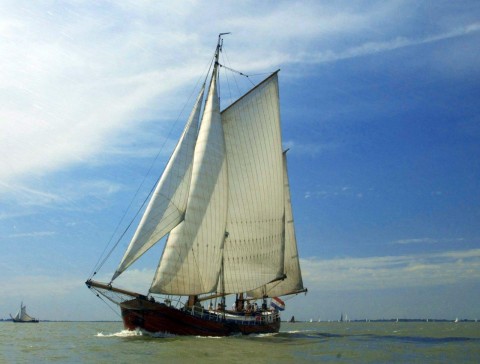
{"type": "Point", "coordinates": [223, 201]}
{"type": "Point", "coordinates": [22, 315]}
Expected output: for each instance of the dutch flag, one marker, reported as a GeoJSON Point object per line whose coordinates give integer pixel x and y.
{"type": "Point", "coordinates": [277, 304]}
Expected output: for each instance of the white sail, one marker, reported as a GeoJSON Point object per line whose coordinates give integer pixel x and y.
{"type": "Point", "coordinates": [18, 316]}
{"type": "Point", "coordinates": [253, 253]}
{"type": "Point", "coordinates": [293, 282]}
{"type": "Point", "coordinates": [167, 206]}
{"type": "Point", "coordinates": [191, 260]}
{"type": "Point", "coordinates": [22, 314]}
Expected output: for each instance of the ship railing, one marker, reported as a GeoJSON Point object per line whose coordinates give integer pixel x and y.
{"type": "Point", "coordinates": [249, 319]}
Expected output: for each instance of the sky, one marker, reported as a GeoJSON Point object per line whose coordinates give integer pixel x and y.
{"type": "Point", "coordinates": [380, 110]}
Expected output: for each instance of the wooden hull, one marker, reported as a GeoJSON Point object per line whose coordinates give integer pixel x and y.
{"type": "Point", "coordinates": [159, 318]}
{"type": "Point", "coordinates": [25, 322]}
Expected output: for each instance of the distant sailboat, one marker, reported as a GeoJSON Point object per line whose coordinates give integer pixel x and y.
{"type": "Point", "coordinates": [23, 316]}
{"type": "Point", "coordinates": [292, 319]}
{"type": "Point", "coordinates": [224, 202]}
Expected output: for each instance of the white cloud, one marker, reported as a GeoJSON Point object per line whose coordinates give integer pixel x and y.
{"type": "Point", "coordinates": [421, 270]}
{"type": "Point", "coordinates": [373, 47]}
{"type": "Point", "coordinates": [34, 287]}
{"type": "Point", "coordinates": [335, 192]}
{"type": "Point", "coordinates": [28, 196]}
{"type": "Point", "coordinates": [34, 234]}
{"type": "Point", "coordinates": [415, 241]}
{"type": "Point", "coordinates": [426, 241]}
{"type": "Point", "coordinates": [78, 76]}
{"type": "Point", "coordinates": [66, 194]}
{"type": "Point", "coordinates": [65, 98]}
{"type": "Point", "coordinates": [310, 149]}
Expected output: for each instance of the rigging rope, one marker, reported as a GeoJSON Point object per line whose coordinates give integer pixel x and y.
{"type": "Point", "coordinates": [238, 72]}
{"type": "Point", "coordinates": [99, 264]}
{"type": "Point", "coordinates": [108, 305]}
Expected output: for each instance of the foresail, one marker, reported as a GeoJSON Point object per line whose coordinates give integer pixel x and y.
{"type": "Point", "coordinates": [191, 260]}
{"type": "Point", "coordinates": [18, 315]}
{"type": "Point", "coordinates": [253, 252]}
{"type": "Point", "coordinates": [293, 282]}
{"type": "Point", "coordinates": [167, 206]}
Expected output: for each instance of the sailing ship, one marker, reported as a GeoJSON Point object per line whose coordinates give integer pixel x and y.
{"type": "Point", "coordinates": [223, 202]}
{"type": "Point", "coordinates": [23, 316]}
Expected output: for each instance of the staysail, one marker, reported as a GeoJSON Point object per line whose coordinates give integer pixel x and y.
{"type": "Point", "coordinates": [167, 206]}
{"type": "Point", "coordinates": [191, 261]}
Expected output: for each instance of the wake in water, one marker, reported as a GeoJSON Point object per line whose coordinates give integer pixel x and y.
{"type": "Point", "coordinates": [136, 333]}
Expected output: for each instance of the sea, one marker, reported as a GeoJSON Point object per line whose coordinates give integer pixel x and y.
{"type": "Point", "coordinates": [300, 342]}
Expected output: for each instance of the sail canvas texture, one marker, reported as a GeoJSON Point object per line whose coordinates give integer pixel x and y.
{"type": "Point", "coordinates": [254, 247]}
{"type": "Point", "coordinates": [192, 257]}
{"type": "Point", "coordinates": [168, 203]}
{"type": "Point", "coordinates": [293, 282]}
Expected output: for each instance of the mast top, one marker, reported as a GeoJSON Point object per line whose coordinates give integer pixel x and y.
{"type": "Point", "coordinates": [219, 46]}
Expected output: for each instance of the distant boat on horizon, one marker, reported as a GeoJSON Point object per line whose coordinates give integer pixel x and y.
{"type": "Point", "coordinates": [22, 316]}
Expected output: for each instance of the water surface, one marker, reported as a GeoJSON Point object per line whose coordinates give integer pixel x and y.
{"type": "Point", "coordinates": [361, 342]}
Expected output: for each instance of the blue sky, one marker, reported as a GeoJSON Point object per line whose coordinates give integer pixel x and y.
{"type": "Point", "coordinates": [379, 109]}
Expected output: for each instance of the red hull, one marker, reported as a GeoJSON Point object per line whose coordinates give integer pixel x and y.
{"type": "Point", "coordinates": [159, 318]}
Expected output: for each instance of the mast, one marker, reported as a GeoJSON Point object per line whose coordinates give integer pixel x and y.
{"type": "Point", "coordinates": [219, 47]}
{"type": "Point", "coordinates": [222, 269]}
{"type": "Point", "coordinates": [191, 260]}
{"type": "Point", "coordinates": [222, 275]}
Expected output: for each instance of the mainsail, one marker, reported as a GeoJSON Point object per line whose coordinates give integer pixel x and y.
{"type": "Point", "coordinates": [255, 244]}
